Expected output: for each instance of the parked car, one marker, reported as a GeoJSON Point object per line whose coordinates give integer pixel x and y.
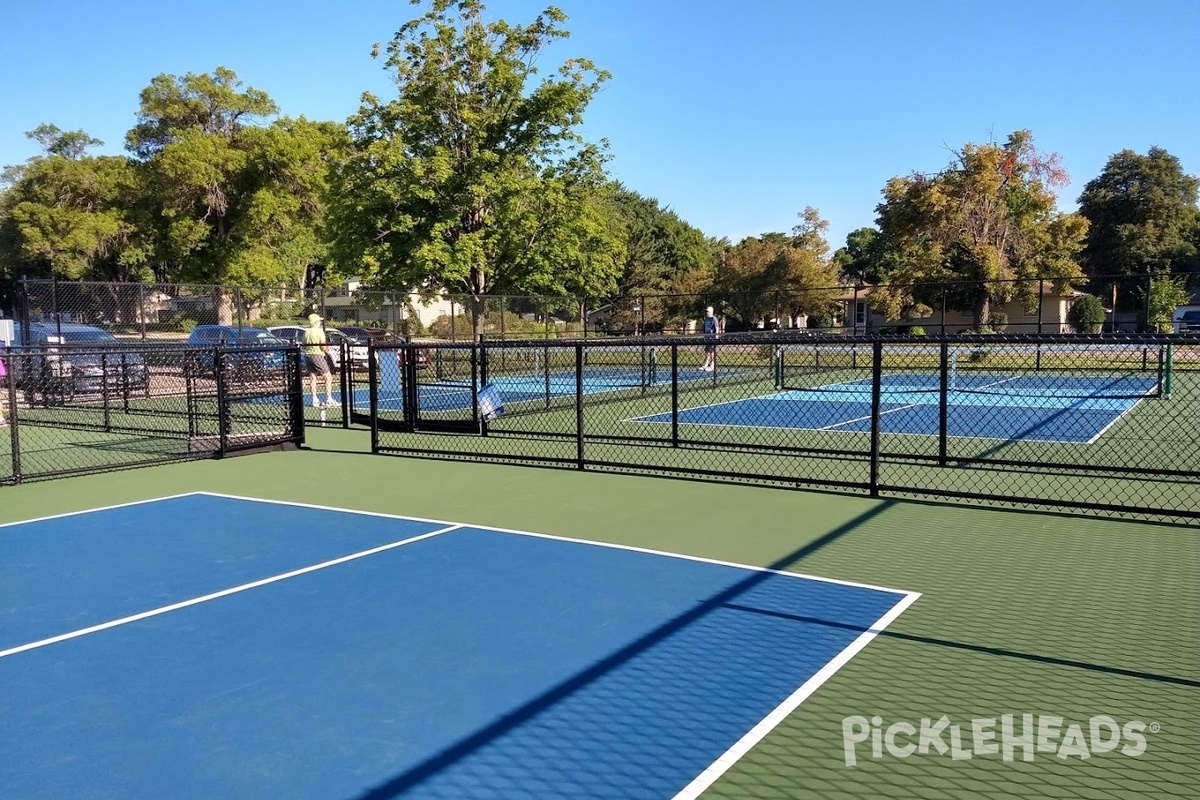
{"type": "Point", "coordinates": [265, 353]}
{"type": "Point", "coordinates": [383, 336]}
{"type": "Point", "coordinates": [335, 338]}
{"type": "Point", "coordinates": [69, 359]}
{"type": "Point", "coordinates": [1187, 320]}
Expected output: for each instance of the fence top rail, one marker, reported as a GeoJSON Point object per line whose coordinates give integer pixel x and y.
{"type": "Point", "coordinates": [992, 339]}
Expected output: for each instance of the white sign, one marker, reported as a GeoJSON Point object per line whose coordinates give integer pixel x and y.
{"type": "Point", "coordinates": [7, 334]}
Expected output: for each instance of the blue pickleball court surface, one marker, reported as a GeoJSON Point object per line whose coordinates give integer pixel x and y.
{"type": "Point", "coordinates": [440, 395]}
{"type": "Point", "coordinates": [206, 646]}
{"type": "Point", "coordinates": [1048, 409]}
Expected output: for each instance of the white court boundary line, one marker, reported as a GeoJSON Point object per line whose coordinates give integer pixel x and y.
{"type": "Point", "coordinates": [707, 776]}
{"type": "Point", "coordinates": [572, 540]}
{"type": "Point", "coordinates": [156, 612]}
{"type": "Point", "coordinates": [781, 712]}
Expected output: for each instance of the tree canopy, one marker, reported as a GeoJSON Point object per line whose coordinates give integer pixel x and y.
{"type": "Point", "coordinates": [987, 223]}
{"type": "Point", "coordinates": [73, 215]}
{"type": "Point", "coordinates": [474, 176]}
{"type": "Point", "coordinates": [1144, 222]}
{"type": "Point", "coordinates": [236, 200]}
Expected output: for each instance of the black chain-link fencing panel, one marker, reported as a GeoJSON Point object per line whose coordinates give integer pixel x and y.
{"type": "Point", "coordinates": [75, 409]}
{"type": "Point", "coordinates": [1095, 423]}
{"type": "Point", "coordinates": [161, 312]}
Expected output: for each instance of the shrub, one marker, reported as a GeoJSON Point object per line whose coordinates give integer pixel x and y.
{"type": "Point", "coordinates": [1086, 314]}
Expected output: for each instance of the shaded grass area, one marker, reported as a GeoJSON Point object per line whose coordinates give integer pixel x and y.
{"type": "Point", "coordinates": [1052, 615]}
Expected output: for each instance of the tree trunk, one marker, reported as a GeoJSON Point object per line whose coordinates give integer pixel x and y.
{"type": "Point", "coordinates": [983, 309]}
{"type": "Point", "coordinates": [478, 281]}
{"type": "Point", "coordinates": [223, 303]}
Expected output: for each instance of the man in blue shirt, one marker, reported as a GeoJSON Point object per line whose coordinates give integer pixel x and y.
{"type": "Point", "coordinates": [710, 340]}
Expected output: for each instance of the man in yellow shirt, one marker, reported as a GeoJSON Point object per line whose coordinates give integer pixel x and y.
{"type": "Point", "coordinates": [316, 360]}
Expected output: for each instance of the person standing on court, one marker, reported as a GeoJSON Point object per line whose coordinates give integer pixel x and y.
{"type": "Point", "coordinates": [316, 360]}
{"type": "Point", "coordinates": [710, 340]}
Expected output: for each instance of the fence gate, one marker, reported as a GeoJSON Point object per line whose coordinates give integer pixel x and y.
{"type": "Point", "coordinates": [424, 387]}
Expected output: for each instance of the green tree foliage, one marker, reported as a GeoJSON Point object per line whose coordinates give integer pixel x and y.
{"type": "Point", "coordinates": [861, 260]}
{"type": "Point", "coordinates": [793, 275]}
{"type": "Point", "coordinates": [474, 178]}
{"type": "Point", "coordinates": [1165, 295]}
{"type": "Point", "coordinates": [236, 200]}
{"type": "Point", "coordinates": [665, 262]}
{"type": "Point", "coordinates": [72, 215]}
{"type": "Point", "coordinates": [1086, 314]}
{"type": "Point", "coordinates": [987, 222]}
{"type": "Point", "coordinates": [1143, 222]}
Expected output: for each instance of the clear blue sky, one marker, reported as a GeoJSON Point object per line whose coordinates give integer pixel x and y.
{"type": "Point", "coordinates": [735, 114]}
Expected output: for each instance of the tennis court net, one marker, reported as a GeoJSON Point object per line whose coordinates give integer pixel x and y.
{"type": "Point", "coordinates": [1066, 371]}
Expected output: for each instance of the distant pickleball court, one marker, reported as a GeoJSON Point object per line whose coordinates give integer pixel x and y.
{"type": "Point", "coordinates": [1003, 401]}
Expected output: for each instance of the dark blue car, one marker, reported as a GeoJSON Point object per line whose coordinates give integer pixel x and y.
{"type": "Point", "coordinates": [256, 352]}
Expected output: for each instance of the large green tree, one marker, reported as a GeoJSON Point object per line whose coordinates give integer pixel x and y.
{"type": "Point", "coordinates": [666, 265]}
{"type": "Point", "coordinates": [73, 215]}
{"type": "Point", "coordinates": [237, 198]}
{"type": "Point", "coordinates": [1144, 223]}
{"type": "Point", "coordinates": [861, 259]}
{"type": "Point", "coordinates": [474, 177]}
{"type": "Point", "coordinates": [987, 225]}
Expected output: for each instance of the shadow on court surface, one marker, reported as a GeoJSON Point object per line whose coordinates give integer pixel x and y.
{"type": "Point", "coordinates": [525, 714]}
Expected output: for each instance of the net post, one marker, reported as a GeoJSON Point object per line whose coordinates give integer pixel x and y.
{"type": "Point", "coordinates": [674, 394]}
{"type": "Point", "coordinates": [579, 455]}
{"type": "Point", "coordinates": [876, 407]}
{"type": "Point", "coordinates": [943, 401]}
{"type": "Point", "coordinates": [778, 367]}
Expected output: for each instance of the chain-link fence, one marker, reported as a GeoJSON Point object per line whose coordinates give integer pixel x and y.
{"type": "Point", "coordinates": [170, 311]}
{"type": "Point", "coordinates": [1098, 423]}
{"type": "Point", "coordinates": [71, 408]}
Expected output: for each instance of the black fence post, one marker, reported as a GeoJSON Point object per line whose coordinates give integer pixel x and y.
{"type": "Point", "coordinates": [222, 403]}
{"type": "Point", "coordinates": [14, 422]}
{"type": "Point", "coordinates": [483, 378]}
{"type": "Point", "coordinates": [142, 308]}
{"type": "Point", "coordinates": [104, 391]}
{"type": "Point", "coordinates": [674, 394]}
{"type": "Point", "coordinates": [546, 370]}
{"type": "Point", "coordinates": [373, 394]}
{"type": "Point", "coordinates": [579, 454]}
{"type": "Point", "coordinates": [475, 348]}
{"type": "Point", "coordinates": [295, 376]}
{"type": "Point", "coordinates": [54, 306]}
{"type": "Point", "coordinates": [876, 405]}
{"type": "Point", "coordinates": [943, 402]}
{"type": "Point", "coordinates": [345, 379]}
